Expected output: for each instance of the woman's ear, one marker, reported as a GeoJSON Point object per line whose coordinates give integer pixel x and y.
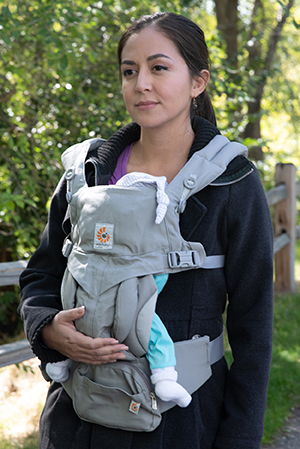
{"type": "Point", "coordinates": [200, 83]}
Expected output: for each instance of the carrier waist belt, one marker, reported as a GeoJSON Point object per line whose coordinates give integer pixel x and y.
{"type": "Point", "coordinates": [198, 354]}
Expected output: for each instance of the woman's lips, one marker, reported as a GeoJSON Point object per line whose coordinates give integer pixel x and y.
{"type": "Point", "coordinates": [146, 105]}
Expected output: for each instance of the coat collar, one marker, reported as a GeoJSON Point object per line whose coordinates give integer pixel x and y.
{"type": "Point", "coordinates": [107, 155]}
{"type": "Point", "coordinates": [105, 158]}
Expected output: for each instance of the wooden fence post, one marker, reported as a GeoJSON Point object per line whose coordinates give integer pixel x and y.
{"type": "Point", "coordinates": [285, 222]}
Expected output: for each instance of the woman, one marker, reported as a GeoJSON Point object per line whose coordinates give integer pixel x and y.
{"type": "Point", "coordinates": [165, 71]}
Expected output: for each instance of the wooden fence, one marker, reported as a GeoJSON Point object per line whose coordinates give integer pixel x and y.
{"type": "Point", "coordinates": [284, 199]}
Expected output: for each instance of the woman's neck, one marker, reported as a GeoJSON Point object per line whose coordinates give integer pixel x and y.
{"type": "Point", "coordinates": [160, 153]}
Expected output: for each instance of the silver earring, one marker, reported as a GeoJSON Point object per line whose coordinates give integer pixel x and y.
{"type": "Point", "coordinates": [194, 104]}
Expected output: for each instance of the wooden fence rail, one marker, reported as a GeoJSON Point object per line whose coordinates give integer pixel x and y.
{"type": "Point", "coordinates": [283, 197]}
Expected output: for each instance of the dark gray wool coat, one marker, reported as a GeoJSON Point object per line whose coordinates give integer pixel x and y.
{"type": "Point", "coordinates": [230, 217]}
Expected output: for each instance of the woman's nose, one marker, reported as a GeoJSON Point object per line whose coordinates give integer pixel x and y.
{"type": "Point", "coordinates": [143, 81]}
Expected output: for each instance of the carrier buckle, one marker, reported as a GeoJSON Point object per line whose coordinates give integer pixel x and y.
{"type": "Point", "coordinates": [67, 247]}
{"type": "Point", "coordinates": [69, 175]}
{"type": "Point", "coordinates": [184, 259]}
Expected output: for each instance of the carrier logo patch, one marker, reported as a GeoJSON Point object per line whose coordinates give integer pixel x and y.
{"type": "Point", "coordinates": [134, 407]}
{"type": "Point", "coordinates": [103, 236]}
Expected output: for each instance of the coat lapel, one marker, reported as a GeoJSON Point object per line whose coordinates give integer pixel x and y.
{"type": "Point", "coordinates": [191, 217]}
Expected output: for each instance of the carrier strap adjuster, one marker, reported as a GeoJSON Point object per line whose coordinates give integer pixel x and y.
{"type": "Point", "coordinates": [69, 175]}
{"type": "Point", "coordinates": [67, 247]}
{"type": "Point", "coordinates": [178, 259]}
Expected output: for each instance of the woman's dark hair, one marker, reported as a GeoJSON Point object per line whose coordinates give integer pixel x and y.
{"type": "Point", "coordinates": [190, 42]}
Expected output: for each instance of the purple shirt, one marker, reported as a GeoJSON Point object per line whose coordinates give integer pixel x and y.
{"type": "Point", "coordinates": [121, 167]}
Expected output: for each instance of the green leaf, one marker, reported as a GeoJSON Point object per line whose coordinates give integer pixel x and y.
{"type": "Point", "coordinates": [297, 25]}
{"type": "Point", "coordinates": [63, 62]}
{"type": "Point", "coordinates": [6, 12]}
{"type": "Point", "coordinates": [6, 39]}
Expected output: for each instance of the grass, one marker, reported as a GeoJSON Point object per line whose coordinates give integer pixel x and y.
{"type": "Point", "coordinates": [284, 385]}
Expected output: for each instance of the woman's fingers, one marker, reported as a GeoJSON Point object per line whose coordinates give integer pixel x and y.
{"type": "Point", "coordinates": [97, 350]}
{"type": "Point", "coordinates": [62, 335]}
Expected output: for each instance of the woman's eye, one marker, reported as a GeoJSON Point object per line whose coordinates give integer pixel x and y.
{"type": "Point", "coordinates": [159, 68]}
{"type": "Point", "coordinates": [128, 72]}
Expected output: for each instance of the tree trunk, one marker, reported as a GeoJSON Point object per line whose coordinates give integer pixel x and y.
{"type": "Point", "coordinates": [227, 18]}
{"type": "Point", "coordinates": [253, 128]}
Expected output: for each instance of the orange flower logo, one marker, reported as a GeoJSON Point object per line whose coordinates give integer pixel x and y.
{"type": "Point", "coordinates": [102, 235]}
{"type": "Point", "coordinates": [134, 407]}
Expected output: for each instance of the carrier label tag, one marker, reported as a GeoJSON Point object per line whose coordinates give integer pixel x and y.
{"type": "Point", "coordinates": [134, 407]}
{"type": "Point", "coordinates": [103, 236]}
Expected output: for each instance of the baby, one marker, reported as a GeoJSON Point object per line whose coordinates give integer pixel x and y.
{"type": "Point", "coordinates": [161, 352]}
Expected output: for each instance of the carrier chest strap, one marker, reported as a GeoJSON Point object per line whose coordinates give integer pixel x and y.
{"type": "Point", "coordinates": [184, 259]}
{"type": "Point", "coordinates": [176, 259]}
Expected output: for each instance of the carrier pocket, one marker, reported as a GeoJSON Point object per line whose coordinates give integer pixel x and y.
{"type": "Point", "coordinates": [120, 395]}
{"type": "Point", "coordinates": [117, 395]}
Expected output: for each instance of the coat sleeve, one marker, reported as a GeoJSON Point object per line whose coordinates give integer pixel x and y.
{"type": "Point", "coordinates": [249, 278]}
{"type": "Point", "coordinates": [40, 282]}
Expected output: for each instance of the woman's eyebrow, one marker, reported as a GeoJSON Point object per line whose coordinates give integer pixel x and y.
{"type": "Point", "coordinates": [158, 55]}
{"type": "Point", "coordinates": [150, 58]}
{"type": "Point", "coordinates": [127, 62]}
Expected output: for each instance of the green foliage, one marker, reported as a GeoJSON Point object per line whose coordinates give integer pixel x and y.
{"type": "Point", "coordinates": [25, 368]}
{"type": "Point", "coordinates": [253, 73]}
{"type": "Point", "coordinates": [11, 323]}
{"type": "Point", "coordinates": [59, 84]}
{"type": "Point", "coordinates": [28, 442]}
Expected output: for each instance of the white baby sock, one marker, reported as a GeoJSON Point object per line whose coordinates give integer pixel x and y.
{"type": "Point", "coordinates": [167, 388]}
{"type": "Point", "coordinates": [58, 371]}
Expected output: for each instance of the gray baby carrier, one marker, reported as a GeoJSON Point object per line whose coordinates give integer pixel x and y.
{"type": "Point", "coordinates": [114, 249]}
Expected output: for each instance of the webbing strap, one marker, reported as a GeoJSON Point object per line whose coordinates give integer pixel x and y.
{"type": "Point", "coordinates": [216, 349]}
{"type": "Point", "coordinates": [214, 262]}
{"type": "Point", "coordinates": [192, 259]}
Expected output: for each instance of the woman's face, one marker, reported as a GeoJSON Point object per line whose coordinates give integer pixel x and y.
{"type": "Point", "coordinates": [156, 83]}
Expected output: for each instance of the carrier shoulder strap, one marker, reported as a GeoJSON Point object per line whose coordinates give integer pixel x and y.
{"type": "Point", "coordinates": [73, 160]}
{"type": "Point", "coordinates": [203, 168]}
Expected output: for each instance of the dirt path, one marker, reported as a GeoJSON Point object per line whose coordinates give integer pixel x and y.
{"type": "Point", "coordinates": [22, 395]}
{"type": "Point", "coordinates": [289, 438]}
